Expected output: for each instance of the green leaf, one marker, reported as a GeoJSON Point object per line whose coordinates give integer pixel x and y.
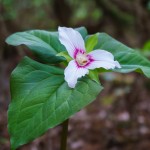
{"type": "Point", "coordinates": [41, 99]}
{"type": "Point", "coordinates": [94, 75]}
{"type": "Point", "coordinates": [45, 45]}
{"type": "Point", "coordinates": [91, 42]}
{"type": "Point", "coordinates": [130, 59]}
{"type": "Point", "coordinates": [66, 55]}
{"type": "Point", "coordinates": [146, 46]}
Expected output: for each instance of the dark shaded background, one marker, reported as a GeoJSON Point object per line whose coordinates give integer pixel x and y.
{"type": "Point", "coordinates": [120, 117]}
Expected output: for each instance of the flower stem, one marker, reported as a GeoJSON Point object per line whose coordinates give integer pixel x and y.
{"type": "Point", "coordinates": [63, 145]}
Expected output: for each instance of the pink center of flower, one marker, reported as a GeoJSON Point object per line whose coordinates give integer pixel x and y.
{"type": "Point", "coordinates": [82, 59]}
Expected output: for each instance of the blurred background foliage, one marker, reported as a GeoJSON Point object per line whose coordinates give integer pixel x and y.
{"type": "Point", "coordinates": [127, 20]}
{"type": "Point", "coordinates": [119, 118]}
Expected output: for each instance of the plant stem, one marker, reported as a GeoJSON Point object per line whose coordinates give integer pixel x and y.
{"type": "Point", "coordinates": [63, 145]}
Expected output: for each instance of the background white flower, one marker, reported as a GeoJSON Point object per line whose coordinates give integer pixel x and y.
{"type": "Point", "coordinates": [82, 61]}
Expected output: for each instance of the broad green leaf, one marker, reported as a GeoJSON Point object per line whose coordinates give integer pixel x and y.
{"type": "Point", "coordinates": [91, 42]}
{"type": "Point", "coordinates": [44, 44]}
{"type": "Point", "coordinates": [41, 99]}
{"type": "Point", "coordinates": [130, 59]}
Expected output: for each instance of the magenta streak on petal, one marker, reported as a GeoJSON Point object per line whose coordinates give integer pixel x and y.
{"type": "Point", "coordinates": [78, 51]}
{"type": "Point", "coordinates": [88, 63]}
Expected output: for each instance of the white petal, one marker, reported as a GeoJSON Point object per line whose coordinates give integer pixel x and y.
{"type": "Point", "coordinates": [73, 72]}
{"type": "Point", "coordinates": [101, 55]}
{"type": "Point", "coordinates": [102, 59]}
{"type": "Point", "coordinates": [71, 39]}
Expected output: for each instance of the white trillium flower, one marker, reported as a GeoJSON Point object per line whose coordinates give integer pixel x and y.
{"type": "Point", "coordinates": [82, 62]}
